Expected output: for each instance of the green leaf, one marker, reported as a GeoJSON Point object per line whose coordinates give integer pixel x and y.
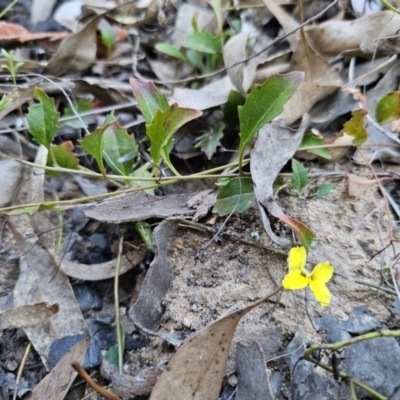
{"type": "Point", "coordinates": [165, 124]}
{"type": "Point", "coordinates": [203, 42]}
{"type": "Point", "coordinates": [26, 210]}
{"type": "Point", "coordinates": [304, 233]}
{"type": "Point", "coordinates": [64, 157]}
{"type": "Point", "coordinates": [149, 98]}
{"type": "Point", "coordinates": [4, 102]}
{"type": "Point", "coordinates": [355, 127]}
{"type": "Point", "coordinates": [388, 108]}
{"type": "Point", "coordinates": [93, 143]}
{"type": "Point", "coordinates": [170, 50]}
{"type": "Point", "coordinates": [107, 34]}
{"type": "Point", "coordinates": [265, 102]}
{"type": "Point", "coordinates": [195, 60]}
{"type": "Point", "coordinates": [216, 6]}
{"type": "Point", "coordinates": [237, 195]}
{"type": "Point", "coordinates": [112, 352]}
{"type": "Point", "coordinates": [144, 230]}
{"type": "Point", "coordinates": [144, 172]}
{"type": "Point", "coordinates": [81, 106]}
{"type": "Point", "coordinates": [299, 175]}
{"type": "Point", "coordinates": [230, 108]}
{"type": "Point", "coordinates": [119, 149]}
{"type": "Point", "coordinates": [209, 141]}
{"type": "Point", "coordinates": [322, 190]}
{"type": "Point", "coordinates": [309, 140]}
{"type": "Point", "coordinates": [43, 119]}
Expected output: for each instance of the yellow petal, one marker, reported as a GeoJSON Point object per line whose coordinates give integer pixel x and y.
{"type": "Point", "coordinates": [294, 280]}
{"type": "Point", "coordinates": [297, 258]}
{"type": "Point", "coordinates": [321, 292]}
{"type": "Point", "coordinates": [322, 272]}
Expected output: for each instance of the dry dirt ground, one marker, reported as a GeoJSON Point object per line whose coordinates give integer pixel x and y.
{"type": "Point", "coordinates": [348, 232]}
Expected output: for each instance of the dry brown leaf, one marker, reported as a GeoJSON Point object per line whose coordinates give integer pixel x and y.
{"type": "Point", "coordinates": [275, 145]}
{"type": "Point", "coordinates": [10, 31]}
{"type": "Point", "coordinates": [358, 185]}
{"type": "Point", "coordinates": [148, 310]}
{"type": "Point", "coordinates": [320, 81]}
{"type": "Point", "coordinates": [211, 95]}
{"type": "Point", "coordinates": [234, 52]}
{"type": "Point", "coordinates": [77, 52]}
{"type": "Point", "coordinates": [371, 35]}
{"type": "Point", "coordinates": [197, 369]}
{"type": "Point", "coordinates": [138, 207]}
{"type": "Point", "coordinates": [27, 315]}
{"type": "Point", "coordinates": [97, 272]}
{"type": "Point", "coordinates": [56, 384]}
{"type": "Point", "coordinates": [40, 277]}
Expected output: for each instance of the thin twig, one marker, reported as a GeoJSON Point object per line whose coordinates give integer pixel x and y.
{"type": "Point", "coordinates": [21, 368]}
{"type": "Point", "coordinates": [116, 305]}
{"type": "Point", "coordinates": [86, 377]}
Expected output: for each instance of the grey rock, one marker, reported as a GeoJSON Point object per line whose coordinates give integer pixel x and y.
{"type": "Point", "coordinates": [331, 329]}
{"type": "Point", "coordinates": [375, 363]}
{"type": "Point", "coordinates": [87, 297]}
{"type": "Point", "coordinates": [307, 382]}
{"type": "Point", "coordinates": [60, 347]}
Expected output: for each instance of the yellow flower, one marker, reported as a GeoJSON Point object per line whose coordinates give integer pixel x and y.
{"type": "Point", "coordinates": [298, 277]}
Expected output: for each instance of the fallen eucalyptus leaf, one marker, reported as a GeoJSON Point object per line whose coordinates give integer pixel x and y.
{"type": "Point", "coordinates": [56, 384]}
{"type": "Point", "coordinates": [197, 369]}
{"type": "Point", "coordinates": [77, 52]}
{"type": "Point", "coordinates": [274, 147]}
{"type": "Point", "coordinates": [27, 315]}
{"type": "Point", "coordinates": [234, 52]}
{"type": "Point", "coordinates": [147, 309]}
{"type": "Point", "coordinates": [97, 272]}
{"type": "Point", "coordinates": [139, 206]}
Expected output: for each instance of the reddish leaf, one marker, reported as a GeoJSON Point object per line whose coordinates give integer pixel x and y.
{"type": "Point", "coordinates": [305, 234]}
{"type": "Point", "coordinates": [9, 31]}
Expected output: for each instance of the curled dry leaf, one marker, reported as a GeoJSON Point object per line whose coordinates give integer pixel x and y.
{"type": "Point", "coordinates": [234, 52]}
{"type": "Point", "coordinates": [274, 147]}
{"type": "Point", "coordinates": [197, 369]}
{"type": "Point", "coordinates": [320, 81]}
{"type": "Point", "coordinates": [369, 36]}
{"type": "Point", "coordinates": [56, 384]}
{"type": "Point", "coordinates": [77, 52]}
{"type": "Point", "coordinates": [211, 95]}
{"type": "Point", "coordinates": [147, 309]}
{"type": "Point", "coordinates": [358, 185]}
{"type": "Point", "coordinates": [27, 315]}
{"type": "Point", "coordinates": [97, 272]}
